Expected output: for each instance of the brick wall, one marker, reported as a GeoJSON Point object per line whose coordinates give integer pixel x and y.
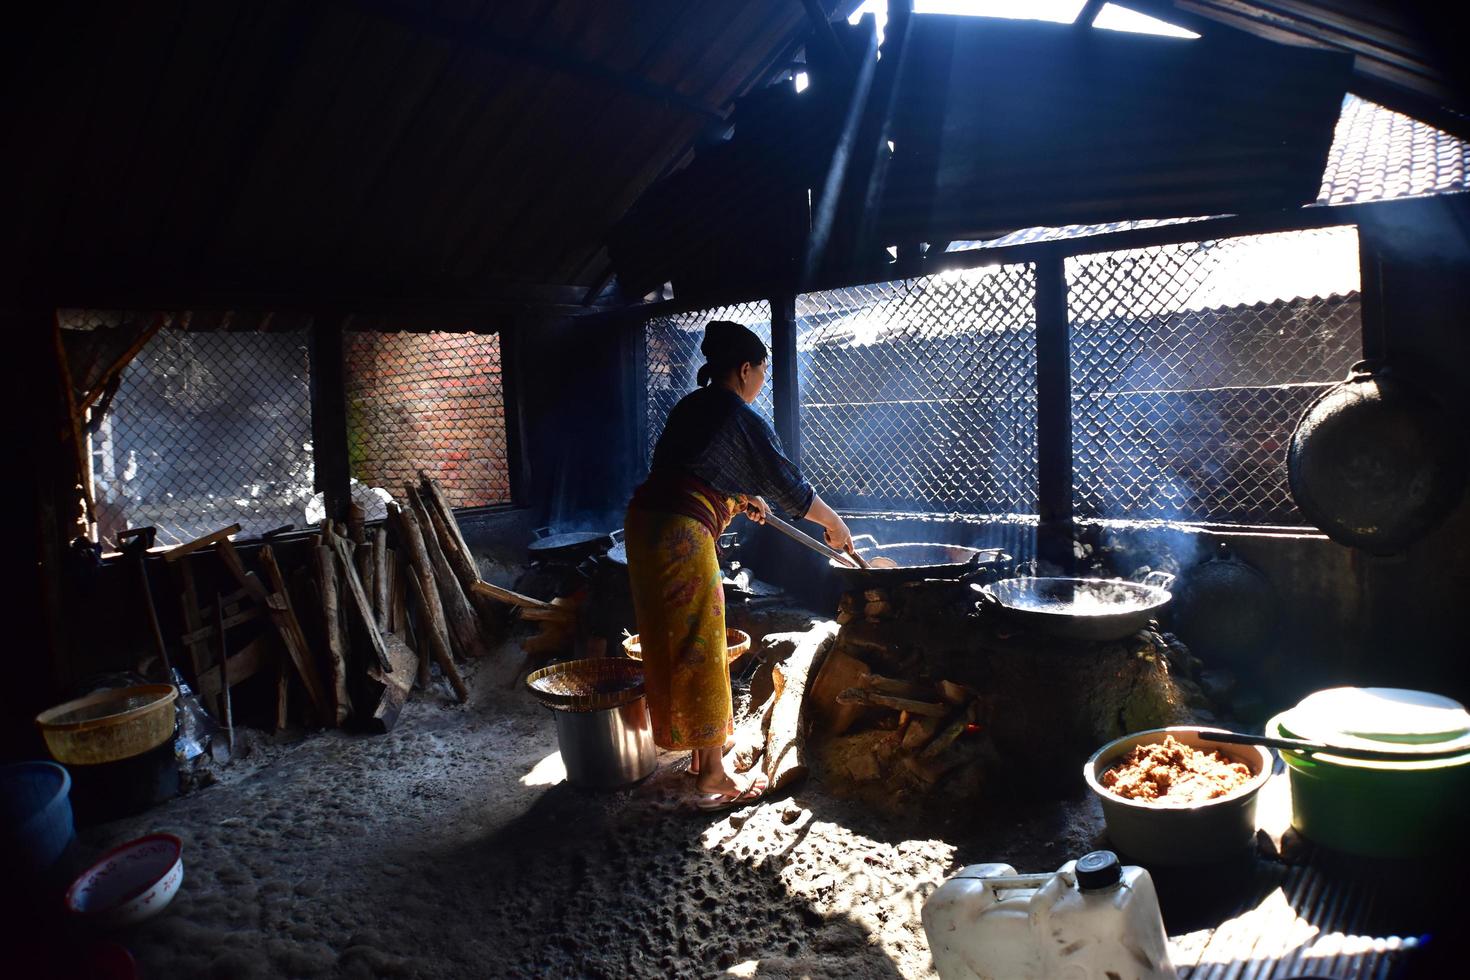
{"type": "Point", "coordinates": [429, 401]}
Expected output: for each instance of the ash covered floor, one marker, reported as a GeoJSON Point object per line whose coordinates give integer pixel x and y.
{"type": "Point", "coordinates": [451, 848]}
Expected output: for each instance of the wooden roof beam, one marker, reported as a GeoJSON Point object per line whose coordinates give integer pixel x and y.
{"type": "Point", "coordinates": [545, 56]}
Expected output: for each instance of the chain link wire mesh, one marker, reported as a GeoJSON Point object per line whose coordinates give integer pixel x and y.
{"type": "Point", "coordinates": [205, 429]}
{"type": "Point", "coordinates": [1191, 365]}
{"type": "Point", "coordinates": [921, 393]}
{"type": "Point", "coordinates": [672, 359]}
{"type": "Point", "coordinates": [426, 401]}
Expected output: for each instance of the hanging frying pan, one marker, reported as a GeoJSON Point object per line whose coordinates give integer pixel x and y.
{"type": "Point", "coordinates": [1375, 463]}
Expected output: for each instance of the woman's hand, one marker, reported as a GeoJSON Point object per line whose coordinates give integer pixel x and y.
{"type": "Point", "coordinates": [834, 529]}
{"type": "Point", "coordinates": [837, 535]}
{"type": "Point", "coordinates": [756, 509]}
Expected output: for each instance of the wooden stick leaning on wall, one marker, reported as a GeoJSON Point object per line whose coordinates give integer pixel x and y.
{"type": "Point", "coordinates": [357, 598]}
{"type": "Point", "coordinates": [459, 615]}
{"type": "Point", "coordinates": [457, 553]}
{"type": "Point", "coordinates": [434, 494]}
{"type": "Point", "coordinates": [381, 567]}
{"type": "Point", "coordinates": [326, 573]}
{"type": "Point", "coordinates": [284, 616]}
{"type": "Point", "coordinates": [367, 567]}
{"type": "Point", "coordinates": [426, 594]}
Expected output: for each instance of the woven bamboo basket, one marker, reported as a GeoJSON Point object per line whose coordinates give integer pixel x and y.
{"type": "Point", "coordinates": [737, 643]}
{"type": "Point", "coordinates": [587, 685]}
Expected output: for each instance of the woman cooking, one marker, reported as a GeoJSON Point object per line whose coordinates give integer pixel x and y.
{"type": "Point", "coordinates": [716, 457]}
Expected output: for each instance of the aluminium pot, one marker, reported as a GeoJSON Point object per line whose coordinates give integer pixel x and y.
{"type": "Point", "coordinates": [602, 723]}
{"type": "Point", "coordinates": [1374, 463]}
{"type": "Point", "coordinates": [608, 748]}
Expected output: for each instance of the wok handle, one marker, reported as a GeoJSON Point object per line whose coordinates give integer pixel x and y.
{"type": "Point", "coordinates": [1159, 578]}
{"type": "Point", "coordinates": [801, 537]}
{"type": "Point", "coordinates": [986, 601]}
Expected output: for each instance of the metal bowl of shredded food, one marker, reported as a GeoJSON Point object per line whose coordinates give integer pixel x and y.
{"type": "Point", "coordinates": [1170, 796]}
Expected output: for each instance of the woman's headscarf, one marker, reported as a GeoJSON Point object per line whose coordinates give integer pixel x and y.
{"type": "Point", "coordinates": [728, 345]}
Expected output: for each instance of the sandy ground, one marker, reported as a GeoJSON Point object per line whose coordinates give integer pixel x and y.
{"type": "Point", "coordinates": [453, 848]}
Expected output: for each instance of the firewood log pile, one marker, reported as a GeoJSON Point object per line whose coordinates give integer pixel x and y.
{"type": "Point", "coordinates": [356, 622]}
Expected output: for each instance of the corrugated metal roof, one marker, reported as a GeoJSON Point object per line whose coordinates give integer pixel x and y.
{"type": "Point", "coordinates": [1407, 54]}
{"type": "Point", "coordinates": [1377, 155]}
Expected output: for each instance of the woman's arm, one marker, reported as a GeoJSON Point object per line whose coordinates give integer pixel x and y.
{"type": "Point", "coordinates": [837, 534]}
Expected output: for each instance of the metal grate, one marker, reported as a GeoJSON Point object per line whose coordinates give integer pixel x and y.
{"type": "Point", "coordinates": [921, 393]}
{"type": "Point", "coordinates": [206, 429]}
{"type": "Point", "coordinates": [672, 359]}
{"type": "Point", "coordinates": [1191, 364]}
{"type": "Point", "coordinates": [426, 401]}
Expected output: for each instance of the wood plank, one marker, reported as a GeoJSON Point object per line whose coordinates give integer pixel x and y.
{"type": "Point", "coordinates": [506, 595]}
{"type": "Point", "coordinates": [193, 618]}
{"type": "Point", "coordinates": [326, 576]}
{"type": "Point", "coordinates": [358, 599]}
{"type": "Point", "coordinates": [283, 614]}
{"type": "Point", "coordinates": [396, 685]}
{"type": "Point", "coordinates": [785, 760]}
{"type": "Point", "coordinates": [435, 495]}
{"type": "Point", "coordinates": [245, 662]}
{"type": "Point", "coordinates": [199, 544]}
{"type": "Point", "coordinates": [459, 615]}
{"type": "Point", "coordinates": [208, 632]}
{"type": "Point", "coordinates": [283, 690]}
{"type": "Point", "coordinates": [248, 580]}
{"type": "Point", "coordinates": [456, 551]}
{"type": "Point", "coordinates": [550, 614]}
{"type": "Point", "coordinates": [381, 567]}
{"type": "Point", "coordinates": [426, 595]}
{"type": "Point", "coordinates": [438, 644]}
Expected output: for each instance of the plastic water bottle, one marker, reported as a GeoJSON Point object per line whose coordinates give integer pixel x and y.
{"type": "Point", "coordinates": [195, 728]}
{"type": "Point", "coordinates": [1092, 918]}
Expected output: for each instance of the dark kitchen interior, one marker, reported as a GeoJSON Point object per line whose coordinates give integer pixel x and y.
{"type": "Point", "coordinates": [1114, 351]}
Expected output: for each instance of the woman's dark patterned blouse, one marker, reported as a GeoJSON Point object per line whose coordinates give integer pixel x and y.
{"type": "Point", "coordinates": [714, 435]}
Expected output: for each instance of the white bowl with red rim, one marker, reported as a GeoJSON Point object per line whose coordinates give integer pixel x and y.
{"type": "Point", "coordinates": [129, 883]}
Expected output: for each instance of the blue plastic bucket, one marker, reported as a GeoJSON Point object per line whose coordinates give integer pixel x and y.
{"type": "Point", "coordinates": [35, 815]}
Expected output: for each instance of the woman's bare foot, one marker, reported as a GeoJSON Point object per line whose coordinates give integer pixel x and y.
{"type": "Point", "coordinates": [713, 776]}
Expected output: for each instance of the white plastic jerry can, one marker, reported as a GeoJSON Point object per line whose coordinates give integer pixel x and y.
{"type": "Point", "coordinates": [1093, 919]}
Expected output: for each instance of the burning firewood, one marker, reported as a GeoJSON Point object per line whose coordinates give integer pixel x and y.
{"type": "Point", "coordinates": [868, 696]}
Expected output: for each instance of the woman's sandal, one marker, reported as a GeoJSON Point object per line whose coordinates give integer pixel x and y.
{"type": "Point", "coordinates": [694, 756]}
{"type": "Point", "coordinates": [754, 789]}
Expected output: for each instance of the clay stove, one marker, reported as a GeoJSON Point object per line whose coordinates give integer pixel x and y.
{"type": "Point", "coordinates": [924, 695]}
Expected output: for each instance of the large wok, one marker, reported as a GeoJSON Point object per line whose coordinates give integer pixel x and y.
{"type": "Point", "coordinates": [914, 561]}
{"type": "Point", "coordinates": [1078, 608]}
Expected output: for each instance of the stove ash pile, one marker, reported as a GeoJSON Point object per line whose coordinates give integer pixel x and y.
{"type": "Point", "coordinates": [923, 701]}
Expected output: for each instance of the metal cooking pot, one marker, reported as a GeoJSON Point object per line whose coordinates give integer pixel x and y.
{"type": "Point", "coordinates": [1224, 609]}
{"type": "Point", "coordinates": [1078, 608]}
{"type": "Point", "coordinates": [914, 561]}
{"type": "Point", "coordinates": [1374, 463]}
{"type": "Point", "coordinates": [570, 547]}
